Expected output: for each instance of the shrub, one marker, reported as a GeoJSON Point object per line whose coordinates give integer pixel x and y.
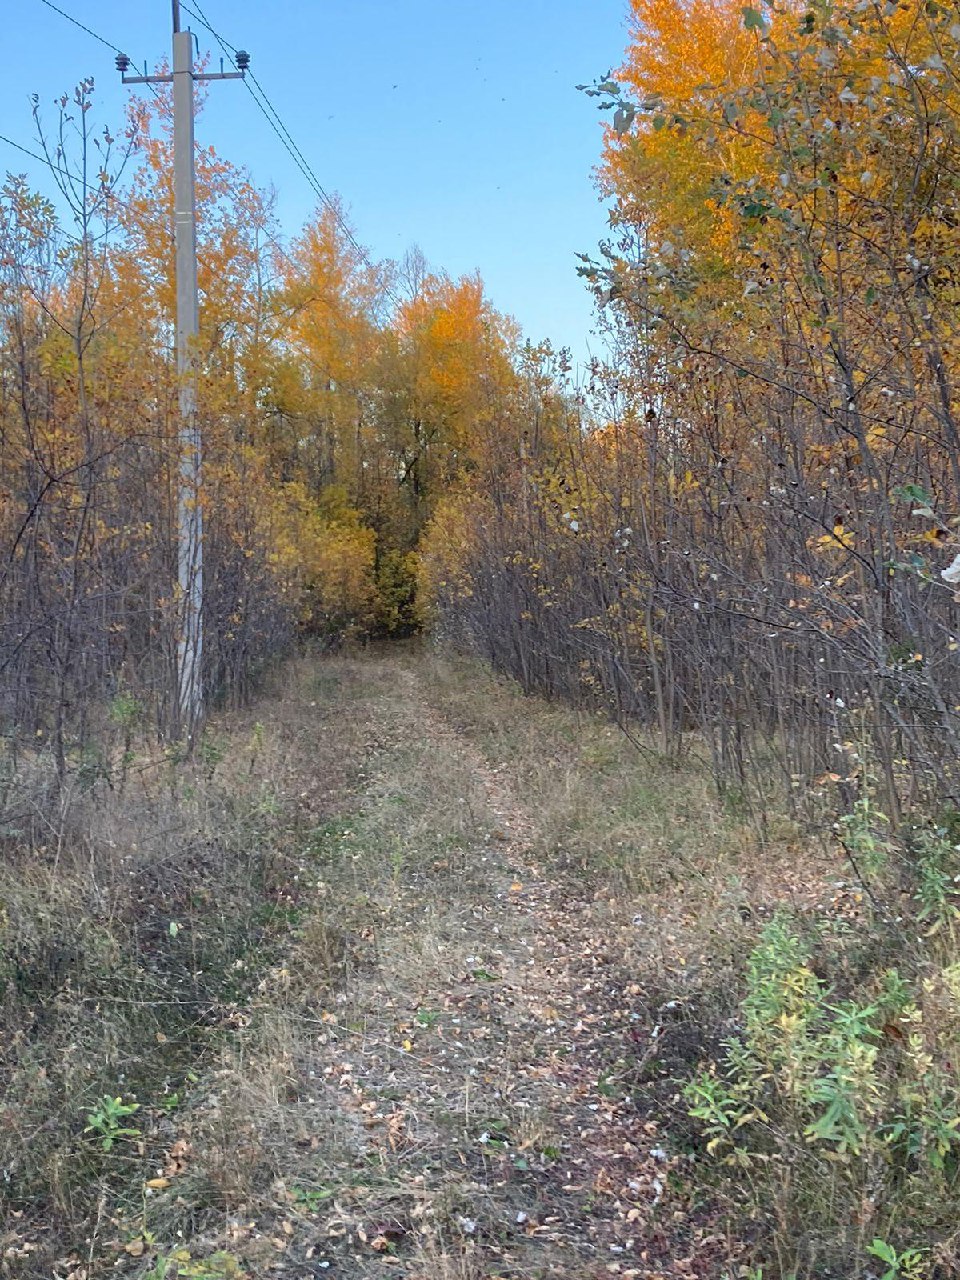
{"type": "Point", "coordinates": [838, 1099]}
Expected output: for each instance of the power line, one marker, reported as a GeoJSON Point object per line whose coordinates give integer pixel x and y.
{"type": "Point", "coordinates": [267, 110]}
{"type": "Point", "coordinates": [77, 23]}
{"type": "Point", "coordinates": [94, 34]}
{"type": "Point", "coordinates": [35, 155]}
{"type": "Point", "coordinates": [271, 115]}
{"type": "Point", "coordinates": [274, 119]}
{"type": "Point", "coordinates": [277, 125]}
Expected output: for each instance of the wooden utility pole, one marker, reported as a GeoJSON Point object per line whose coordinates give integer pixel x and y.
{"type": "Point", "coordinates": [189, 682]}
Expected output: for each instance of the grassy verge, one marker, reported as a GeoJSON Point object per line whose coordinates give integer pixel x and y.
{"type": "Point", "coordinates": [136, 923]}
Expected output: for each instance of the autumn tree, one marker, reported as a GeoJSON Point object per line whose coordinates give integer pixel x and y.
{"type": "Point", "coordinates": [748, 538]}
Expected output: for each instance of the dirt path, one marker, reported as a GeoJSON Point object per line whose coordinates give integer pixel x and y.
{"type": "Point", "coordinates": [483, 1044]}
{"type": "Point", "coordinates": [507, 938]}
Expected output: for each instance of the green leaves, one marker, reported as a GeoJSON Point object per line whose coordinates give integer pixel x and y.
{"type": "Point", "coordinates": [913, 493]}
{"type": "Point", "coordinates": [753, 19]}
{"type": "Point", "coordinates": [885, 1252]}
{"type": "Point", "coordinates": [106, 1119]}
{"type": "Point", "coordinates": [908, 1264]}
{"type": "Point", "coordinates": [606, 87]}
{"type": "Point", "coordinates": [623, 118]}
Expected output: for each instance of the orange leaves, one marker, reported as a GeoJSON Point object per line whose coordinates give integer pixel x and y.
{"type": "Point", "coordinates": [677, 46]}
{"type": "Point", "coordinates": [453, 339]}
{"type": "Point", "coordinates": [681, 53]}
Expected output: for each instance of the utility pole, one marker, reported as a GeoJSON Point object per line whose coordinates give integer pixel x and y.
{"type": "Point", "coordinates": [189, 614]}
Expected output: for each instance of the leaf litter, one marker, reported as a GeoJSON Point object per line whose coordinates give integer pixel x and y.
{"type": "Point", "coordinates": [474, 1090]}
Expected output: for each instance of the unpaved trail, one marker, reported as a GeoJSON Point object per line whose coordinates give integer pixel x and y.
{"type": "Point", "coordinates": [509, 938]}
{"type": "Point", "coordinates": [405, 976]}
{"type": "Point", "coordinates": [482, 1052]}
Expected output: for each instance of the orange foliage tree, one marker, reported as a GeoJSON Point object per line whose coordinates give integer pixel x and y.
{"type": "Point", "coordinates": [756, 539]}
{"type": "Point", "coordinates": [332, 415]}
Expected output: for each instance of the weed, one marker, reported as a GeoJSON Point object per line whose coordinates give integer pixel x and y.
{"type": "Point", "coordinates": [861, 833]}
{"type": "Point", "coordinates": [211, 751]}
{"type": "Point", "coordinates": [313, 1199]}
{"type": "Point", "coordinates": [106, 1120]}
{"type": "Point", "coordinates": [909, 1264]}
{"type": "Point", "coordinates": [126, 710]}
{"type": "Point", "coordinates": [854, 1096]}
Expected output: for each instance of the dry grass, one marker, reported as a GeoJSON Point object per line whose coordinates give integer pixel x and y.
{"type": "Point", "coordinates": [417, 919]}
{"type": "Point", "coordinates": [133, 926]}
{"type": "Point", "coordinates": [647, 838]}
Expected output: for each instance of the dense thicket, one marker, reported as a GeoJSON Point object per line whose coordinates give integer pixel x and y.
{"type": "Point", "coordinates": [757, 545]}
{"type": "Point", "coordinates": [337, 397]}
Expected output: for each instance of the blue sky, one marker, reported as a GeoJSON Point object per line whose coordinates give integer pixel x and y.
{"type": "Point", "coordinates": [456, 126]}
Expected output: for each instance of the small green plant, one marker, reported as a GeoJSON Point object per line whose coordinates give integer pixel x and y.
{"type": "Point", "coordinates": [256, 745]}
{"type": "Point", "coordinates": [861, 835]}
{"type": "Point", "coordinates": [125, 710]}
{"type": "Point", "coordinates": [861, 1086]}
{"type": "Point", "coordinates": [106, 1120]}
{"type": "Point", "coordinates": [495, 1136]}
{"type": "Point", "coordinates": [313, 1198]}
{"type": "Point", "coordinates": [909, 1264]}
{"type": "Point", "coordinates": [397, 860]}
{"type": "Point", "coordinates": [937, 867]}
{"type": "Point", "coordinates": [91, 768]}
{"type": "Point", "coordinates": [268, 805]}
{"type": "Point", "coordinates": [724, 1106]}
{"type": "Point", "coordinates": [211, 751]}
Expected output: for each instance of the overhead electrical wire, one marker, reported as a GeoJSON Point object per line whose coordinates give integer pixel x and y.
{"type": "Point", "coordinates": [90, 32]}
{"type": "Point", "coordinates": [270, 114]}
{"type": "Point", "coordinates": [35, 155]}
{"type": "Point", "coordinates": [48, 163]}
{"type": "Point", "coordinates": [77, 23]}
{"type": "Point", "coordinates": [274, 119]}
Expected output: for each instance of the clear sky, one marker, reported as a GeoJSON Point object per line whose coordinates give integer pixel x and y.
{"type": "Point", "coordinates": [456, 126]}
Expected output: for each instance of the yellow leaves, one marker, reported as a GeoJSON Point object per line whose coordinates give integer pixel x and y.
{"type": "Point", "coordinates": [446, 546]}
{"type": "Point", "coordinates": [679, 485]}
{"type": "Point", "coordinates": [677, 47]}
{"type": "Point", "coordinates": [329, 562]}
{"type": "Point", "coordinates": [840, 539]}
